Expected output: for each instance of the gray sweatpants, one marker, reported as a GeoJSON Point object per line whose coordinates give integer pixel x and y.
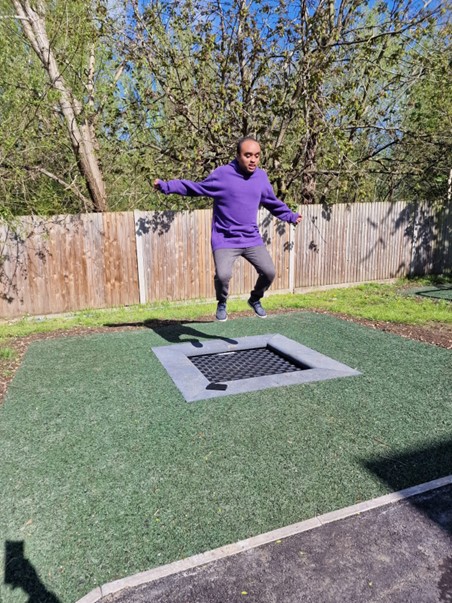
{"type": "Point", "coordinates": [257, 256]}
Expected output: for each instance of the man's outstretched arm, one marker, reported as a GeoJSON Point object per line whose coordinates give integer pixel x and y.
{"type": "Point", "coordinates": [188, 188]}
{"type": "Point", "coordinates": [278, 208]}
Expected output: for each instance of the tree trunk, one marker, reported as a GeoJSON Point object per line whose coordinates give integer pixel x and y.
{"type": "Point", "coordinates": [83, 140]}
{"type": "Point", "coordinates": [449, 188]}
{"type": "Point", "coordinates": [309, 175]}
{"type": "Point", "coordinates": [309, 180]}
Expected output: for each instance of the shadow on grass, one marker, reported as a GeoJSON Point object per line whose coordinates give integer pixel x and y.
{"type": "Point", "coordinates": [433, 279]}
{"type": "Point", "coordinates": [400, 471]}
{"type": "Point", "coordinates": [443, 292]}
{"type": "Point", "coordinates": [174, 331]}
{"type": "Point", "coordinates": [20, 573]}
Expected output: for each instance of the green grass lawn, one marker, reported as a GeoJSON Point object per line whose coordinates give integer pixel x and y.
{"type": "Point", "coordinates": [374, 301]}
{"type": "Point", "coordinates": [107, 471]}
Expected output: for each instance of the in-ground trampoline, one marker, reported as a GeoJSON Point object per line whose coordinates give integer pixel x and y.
{"type": "Point", "coordinates": [247, 364]}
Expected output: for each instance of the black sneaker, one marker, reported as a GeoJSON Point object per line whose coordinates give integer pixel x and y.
{"type": "Point", "coordinates": [221, 313]}
{"type": "Point", "coordinates": [258, 309]}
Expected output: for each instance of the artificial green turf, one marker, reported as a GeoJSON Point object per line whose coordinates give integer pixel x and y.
{"type": "Point", "coordinates": [108, 471]}
{"type": "Point", "coordinates": [443, 293]}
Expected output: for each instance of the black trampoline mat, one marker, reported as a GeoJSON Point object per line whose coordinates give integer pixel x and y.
{"type": "Point", "coordinates": [223, 367]}
{"type": "Point", "coordinates": [244, 364]}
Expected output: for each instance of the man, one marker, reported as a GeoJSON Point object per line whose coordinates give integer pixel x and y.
{"type": "Point", "coordinates": [237, 190]}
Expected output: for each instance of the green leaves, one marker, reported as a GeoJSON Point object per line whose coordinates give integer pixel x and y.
{"type": "Point", "coordinates": [348, 101]}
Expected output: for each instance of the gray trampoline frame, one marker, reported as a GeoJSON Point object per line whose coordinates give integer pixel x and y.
{"type": "Point", "coordinates": [192, 383]}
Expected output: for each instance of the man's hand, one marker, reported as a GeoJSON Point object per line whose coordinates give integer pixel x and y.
{"type": "Point", "coordinates": [157, 184]}
{"type": "Point", "coordinates": [299, 219]}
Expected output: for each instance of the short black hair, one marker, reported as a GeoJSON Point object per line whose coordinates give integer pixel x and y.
{"type": "Point", "coordinates": [242, 140]}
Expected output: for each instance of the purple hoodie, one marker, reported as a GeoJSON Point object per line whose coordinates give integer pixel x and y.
{"type": "Point", "coordinates": [236, 199]}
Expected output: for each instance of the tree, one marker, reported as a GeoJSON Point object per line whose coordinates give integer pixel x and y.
{"type": "Point", "coordinates": [318, 83]}
{"type": "Point", "coordinates": [165, 89]}
{"type": "Point", "coordinates": [426, 146]}
{"type": "Point", "coordinates": [74, 111]}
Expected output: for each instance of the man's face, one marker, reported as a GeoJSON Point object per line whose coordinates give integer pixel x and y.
{"type": "Point", "coordinates": [249, 156]}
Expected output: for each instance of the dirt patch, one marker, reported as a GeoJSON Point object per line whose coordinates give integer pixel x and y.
{"type": "Point", "coordinates": [439, 334]}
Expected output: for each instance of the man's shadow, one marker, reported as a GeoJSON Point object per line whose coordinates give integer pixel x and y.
{"type": "Point", "coordinates": [174, 331]}
{"type": "Point", "coordinates": [20, 573]}
{"type": "Point", "coordinates": [420, 465]}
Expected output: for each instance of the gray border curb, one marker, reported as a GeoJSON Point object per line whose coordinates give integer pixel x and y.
{"type": "Point", "coordinates": [251, 543]}
{"type": "Point", "coordinates": [192, 383]}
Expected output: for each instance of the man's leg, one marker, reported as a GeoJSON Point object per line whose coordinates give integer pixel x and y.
{"type": "Point", "coordinates": [224, 262]}
{"type": "Point", "coordinates": [262, 261]}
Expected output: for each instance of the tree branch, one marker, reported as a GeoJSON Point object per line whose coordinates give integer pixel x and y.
{"type": "Point", "coordinates": [87, 204]}
{"type": "Point", "coordinates": [378, 151]}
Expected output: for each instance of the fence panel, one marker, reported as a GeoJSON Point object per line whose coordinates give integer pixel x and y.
{"type": "Point", "coordinates": [69, 263]}
{"type": "Point", "coordinates": [175, 258]}
{"type": "Point", "coordinates": [173, 249]}
{"type": "Point", "coordinates": [442, 261]}
{"type": "Point", "coordinates": [352, 243]}
{"type": "Point", "coordinates": [431, 235]}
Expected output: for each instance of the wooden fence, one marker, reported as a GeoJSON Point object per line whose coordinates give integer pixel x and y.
{"type": "Point", "coordinates": [69, 263]}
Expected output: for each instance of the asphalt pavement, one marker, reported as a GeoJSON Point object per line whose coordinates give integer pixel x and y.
{"type": "Point", "coordinates": [397, 552]}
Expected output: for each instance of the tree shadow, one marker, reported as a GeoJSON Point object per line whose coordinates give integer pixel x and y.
{"type": "Point", "coordinates": [157, 222]}
{"type": "Point", "coordinates": [174, 331]}
{"type": "Point", "coordinates": [418, 466]}
{"type": "Point", "coordinates": [430, 232]}
{"type": "Point", "coordinates": [23, 242]}
{"type": "Point", "coordinates": [20, 573]}
{"type": "Point", "coordinates": [439, 280]}
{"type": "Point", "coordinates": [435, 293]}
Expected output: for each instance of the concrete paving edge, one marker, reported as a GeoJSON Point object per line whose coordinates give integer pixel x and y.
{"type": "Point", "coordinates": [250, 543]}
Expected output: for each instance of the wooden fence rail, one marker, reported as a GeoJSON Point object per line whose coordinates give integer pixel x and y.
{"type": "Point", "coordinates": [69, 263]}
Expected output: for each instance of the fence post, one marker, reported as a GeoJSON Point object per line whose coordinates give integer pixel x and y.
{"type": "Point", "coordinates": [414, 248]}
{"type": "Point", "coordinates": [292, 258]}
{"type": "Point", "coordinates": [140, 262]}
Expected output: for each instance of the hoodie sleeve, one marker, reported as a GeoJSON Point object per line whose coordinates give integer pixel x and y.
{"type": "Point", "coordinates": [188, 188]}
{"type": "Point", "coordinates": [276, 207]}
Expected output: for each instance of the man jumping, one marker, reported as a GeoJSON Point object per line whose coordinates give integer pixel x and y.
{"type": "Point", "coordinates": [237, 190]}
